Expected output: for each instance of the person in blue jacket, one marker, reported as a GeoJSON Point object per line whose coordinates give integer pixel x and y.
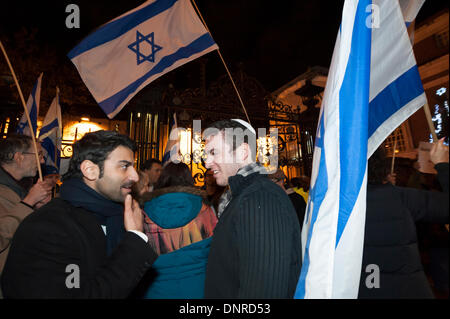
{"type": "Point", "coordinates": [179, 225]}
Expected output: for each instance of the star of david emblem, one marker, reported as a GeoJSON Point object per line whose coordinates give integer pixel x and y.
{"type": "Point", "coordinates": [136, 47]}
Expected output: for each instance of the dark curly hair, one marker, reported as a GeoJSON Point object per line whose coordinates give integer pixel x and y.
{"type": "Point", "coordinates": [149, 163]}
{"type": "Point", "coordinates": [175, 175]}
{"type": "Point", "coordinates": [96, 147]}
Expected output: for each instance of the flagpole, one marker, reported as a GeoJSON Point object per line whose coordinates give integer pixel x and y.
{"type": "Point", "coordinates": [224, 64]}
{"type": "Point", "coordinates": [56, 159]}
{"type": "Point", "coordinates": [57, 131]}
{"type": "Point", "coordinates": [426, 109]}
{"type": "Point", "coordinates": [26, 111]}
{"type": "Point", "coordinates": [393, 153]}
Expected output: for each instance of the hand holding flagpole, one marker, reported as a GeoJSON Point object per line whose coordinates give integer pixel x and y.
{"type": "Point", "coordinates": [26, 111]}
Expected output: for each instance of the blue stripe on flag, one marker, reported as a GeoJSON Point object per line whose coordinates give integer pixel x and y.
{"type": "Point", "coordinates": [49, 127]}
{"type": "Point", "coordinates": [205, 41]}
{"type": "Point", "coordinates": [120, 26]}
{"type": "Point", "coordinates": [48, 145]}
{"type": "Point", "coordinates": [51, 163]}
{"type": "Point", "coordinates": [353, 105]}
{"type": "Point", "coordinates": [318, 192]}
{"type": "Point", "coordinates": [400, 92]}
{"type": "Point", "coordinates": [34, 111]}
{"type": "Point", "coordinates": [33, 116]}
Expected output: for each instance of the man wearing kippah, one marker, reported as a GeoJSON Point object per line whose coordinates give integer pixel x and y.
{"type": "Point", "coordinates": [256, 249]}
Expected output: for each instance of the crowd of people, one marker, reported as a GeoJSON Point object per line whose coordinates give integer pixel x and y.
{"type": "Point", "coordinates": [115, 232]}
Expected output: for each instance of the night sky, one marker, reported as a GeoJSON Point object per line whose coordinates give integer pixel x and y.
{"type": "Point", "coordinates": [273, 41]}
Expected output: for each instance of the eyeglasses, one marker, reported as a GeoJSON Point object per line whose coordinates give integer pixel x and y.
{"type": "Point", "coordinates": [41, 154]}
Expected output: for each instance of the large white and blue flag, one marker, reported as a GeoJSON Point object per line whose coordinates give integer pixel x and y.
{"type": "Point", "coordinates": [33, 110]}
{"type": "Point", "coordinates": [129, 52]}
{"type": "Point", "coordinates": [50, 137]}
{"type": "Point", "coordinates": [373, 86]}
{"type": "Point", "coordinates": [396, 89]}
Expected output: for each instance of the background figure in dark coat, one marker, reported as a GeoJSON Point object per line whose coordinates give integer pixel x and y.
{"type": "Point", "coordinates": [213, 190]}
{"type": "Point", "coordinates": [391, 266]}
{"type": "Point", "coordinates": [297, 200]}
{"type": "Point", "coordinates": [84, 244]}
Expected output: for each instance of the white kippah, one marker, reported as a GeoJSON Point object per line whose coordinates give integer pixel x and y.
{"type": "Point", "coordinates": [247, 125]}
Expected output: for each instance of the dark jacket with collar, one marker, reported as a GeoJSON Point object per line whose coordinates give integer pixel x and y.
{"type": "Point", "coordinates": [390, 239]}
{"type": "Point", "coordinates": [256, 249]}
{"type": "Point", "coordinates": [58, 238]}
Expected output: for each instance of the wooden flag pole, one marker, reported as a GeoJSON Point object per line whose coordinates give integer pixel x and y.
{"type": "Point", "coordinates": [26, 111]}
{"type": "Point", "coordinates": [57, 133]}
{"type": "Point", "coordinates": [224, 64]}
{"type": "Point", "coordinates": [393, 154]}
{"type": "Point", "coordinates": [426, 109]}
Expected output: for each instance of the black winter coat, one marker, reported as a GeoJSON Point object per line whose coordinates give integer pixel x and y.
{"type": "Point", "coordinates": [390, 240]}
{"type": "Point", "coordinates": [51, 242]}
{"type": "Point", "coordinates": [256, 250]}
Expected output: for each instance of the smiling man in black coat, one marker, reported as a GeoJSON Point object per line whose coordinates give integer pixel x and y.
{"type": "Point", "coordinates": [256, 250]}
{"type": "Point", "coordinates": [85, 244]}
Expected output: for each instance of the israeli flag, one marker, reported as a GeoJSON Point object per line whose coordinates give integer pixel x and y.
{"type": "Point", "coordinates": [373, 86]}
{"type": "Point", "coordinates": [50, 137]}
{"type": "Point", "coordinates": [33, 110]}
{"type": "Point", "coordinates": [396, 90]}
{"type": "Point", "coordinates": [129, 52]}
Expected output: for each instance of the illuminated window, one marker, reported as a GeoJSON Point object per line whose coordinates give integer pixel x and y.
{"type": "Point", "coordinates": [5, 131]}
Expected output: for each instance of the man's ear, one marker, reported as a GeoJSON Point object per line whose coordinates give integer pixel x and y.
{"type": "Point", "coordinates": [18, 157]}
{"type": "Point", "coordinates": [90, 170]}
{"type": "Point", "coordinates": [244, 152]}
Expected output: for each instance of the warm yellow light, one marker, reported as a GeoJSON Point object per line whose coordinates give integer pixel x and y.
{"type": "Point", "coordinates": [396, 151]}
{"type": "Point", "coordinates": [85, 119]}
{"type": "Point", "coordinates": [79, 129]}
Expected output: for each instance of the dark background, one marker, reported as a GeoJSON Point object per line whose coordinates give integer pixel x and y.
{"type": "Point", "coordinates": [272, 41]}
